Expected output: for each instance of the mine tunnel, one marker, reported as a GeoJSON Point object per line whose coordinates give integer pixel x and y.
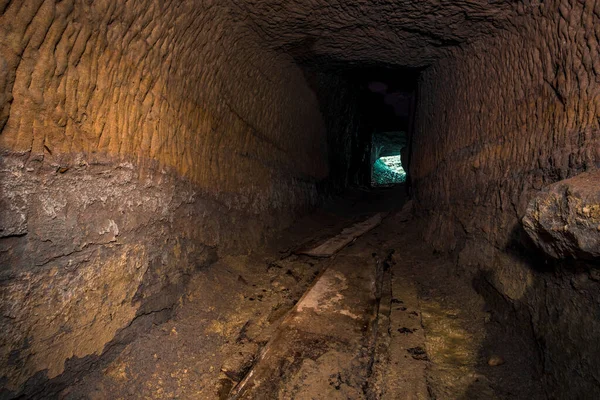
{"type": "Point", "coordinates": [285, 199]}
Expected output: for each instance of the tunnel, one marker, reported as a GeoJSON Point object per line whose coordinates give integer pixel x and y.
{"type": "Point", "coordinates": [285, 199]}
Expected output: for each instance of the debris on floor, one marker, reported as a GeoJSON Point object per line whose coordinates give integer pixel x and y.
{"type": "Point", "coordinates": [382, 319]}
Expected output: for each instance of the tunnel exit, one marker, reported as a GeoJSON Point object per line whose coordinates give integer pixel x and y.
{"type": "Point", "coordinates": [388, 171]}
{"type": "Point", "coordinates": [387, 107]}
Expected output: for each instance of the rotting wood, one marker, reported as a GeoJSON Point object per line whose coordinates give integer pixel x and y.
{"type": "Point", "coordinates": [333, 245]}
{"type": "Point", "coordinates": [329, 329]}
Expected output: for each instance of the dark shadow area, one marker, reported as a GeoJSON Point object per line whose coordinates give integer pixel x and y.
{"type": "Point", "coordinates": [509, 336]}
{"type": "Point", "coordinates": [535, 336]}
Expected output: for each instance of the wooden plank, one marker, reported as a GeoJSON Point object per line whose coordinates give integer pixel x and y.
{"type": "Point", "coordinates": [348, 235]}
{"type": "Point", "coordinates": [327, 334]}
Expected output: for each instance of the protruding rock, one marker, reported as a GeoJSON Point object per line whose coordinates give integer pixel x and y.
{"type": "Point", "coordinates": [563, 219]}
{"type": "Point", "coordinates": [495, 360]}
{"type": "Point", "coordinates": [406, 214]}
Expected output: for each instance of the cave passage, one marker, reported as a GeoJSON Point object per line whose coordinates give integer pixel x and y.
{"type": "Point", "coordinates": [285, 199]}
{"type": "Point", "coordinates": [390, 123]}
{"type": "Point", "coordinates": [386, 105]}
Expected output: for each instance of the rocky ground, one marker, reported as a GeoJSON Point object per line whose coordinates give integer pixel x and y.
{"type": "Point", "coordinates": [427, 332]}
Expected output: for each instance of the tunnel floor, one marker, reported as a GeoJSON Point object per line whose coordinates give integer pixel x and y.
{"type": "Point", "coordinates": [398, 324]}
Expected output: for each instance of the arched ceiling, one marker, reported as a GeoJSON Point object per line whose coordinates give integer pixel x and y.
{"type": "Point", "coordinates": [396, 32]}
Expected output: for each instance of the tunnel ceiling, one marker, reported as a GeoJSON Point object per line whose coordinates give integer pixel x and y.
{"type": "Point", "coordinates": [409, 33]}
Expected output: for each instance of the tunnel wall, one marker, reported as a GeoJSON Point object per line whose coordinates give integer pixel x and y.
{"type": "Point", "coordinates": [338, 100]}
{"type": "Point", "coordinates": [498, 121]}
{"type": "Point", "coordinates": [139, 141]}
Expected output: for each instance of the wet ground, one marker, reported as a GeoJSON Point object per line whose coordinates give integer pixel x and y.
{"type": "Point", "coordinates": [384, 318]}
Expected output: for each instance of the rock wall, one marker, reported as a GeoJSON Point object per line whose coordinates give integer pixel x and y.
{"type": "Point", "coordinates": [498, 121]}
{"type": "Point", "coordinates": [139, 140]}
{"type": "Point", "coordinates": [338, 99]}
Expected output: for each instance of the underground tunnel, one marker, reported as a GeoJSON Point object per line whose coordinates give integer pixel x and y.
{"type": "Point", "coordinates": [285, 199]}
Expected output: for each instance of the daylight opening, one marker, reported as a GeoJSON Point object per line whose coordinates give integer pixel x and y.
{"type": "Point", "coordinates": [387, 171]}
{"type": "Point", "coordinates": [386, 105]}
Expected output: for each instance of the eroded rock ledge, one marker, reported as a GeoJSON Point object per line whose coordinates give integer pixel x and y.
{"type": "Point", "coordinates": [86, 250]}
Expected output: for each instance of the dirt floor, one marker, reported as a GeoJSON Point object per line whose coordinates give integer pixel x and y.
{"type": "Point", "coordinates": [424, 333]}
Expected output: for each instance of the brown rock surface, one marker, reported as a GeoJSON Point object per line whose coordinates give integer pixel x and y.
{"type": "Point", "coordinates": [138, 139]}
{"type": "Point", "coordinates": [408, 33]}
{"type": "Point", "coordinates": [498, 120]}
{"type": "Point", "coordinates": [563, 220]}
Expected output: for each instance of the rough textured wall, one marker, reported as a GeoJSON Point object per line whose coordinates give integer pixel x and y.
{"type": "Point", "coordinates": [395, 32]}
{"type": "Point", "coordinates": [138, 140]}
{"type": "Point", "coordinates": [166, 81]}
{"type": "Point", "coordinates": [338, 99]}
{"type": "Point", "coordinates": [499, 121]}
